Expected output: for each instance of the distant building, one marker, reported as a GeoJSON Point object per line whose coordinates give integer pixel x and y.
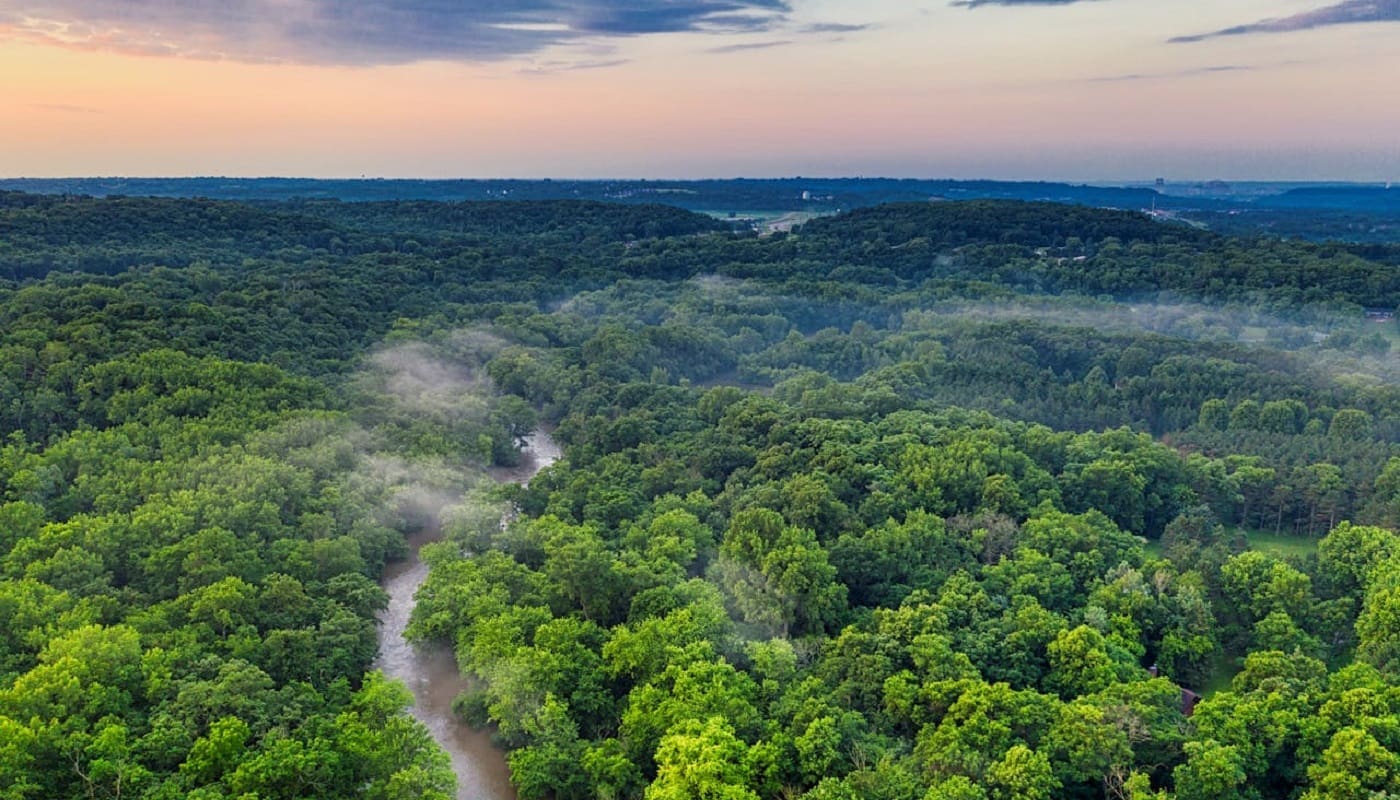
{"type": "Point", "coordinates": [1161, 182]}
{"type": "Point", "coordinates": [1189, 699]}
{"type": "Point", "coordinates": [1380, 314]}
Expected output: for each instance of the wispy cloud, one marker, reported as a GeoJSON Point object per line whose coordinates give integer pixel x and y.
{"type": "Point", "coordinates": [826, 31]}
{"type": "Point", "coordinates": [980, 3]}
{"type": "Point", "coordinates": [554, 67]}
{"type": "Point", "coordinates": [1350, 12]}
{"type": "Point", "coordinates": [1184, 73]}
{"type": "Point", "coordinates": [366, 32]}
{"type": "Point", "coordinates": [743, 46]}
{"type": "Point", "coordinates": [834, 27]}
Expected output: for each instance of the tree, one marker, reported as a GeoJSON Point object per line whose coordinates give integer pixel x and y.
{"type": "Point", "coordinates": [1350, 423]}
{"type": "Point", "coordinates": [980, 726]}
{"type": "Point", "coordinates": [1214, 416]}
{"type": "Point", "coordinates": [1254, 483]}
{"type": "Point", "coordinates": [1257, 584]}
{"type": "Point", "coordinates": [548, 767]}
{"type": "Point", "coordinates": [1245, 416]}
{"type": "Point", "coordinates": [611, 773]}
{"type": "Point", "coordinates": [17, 753]}
{"type": "Point", "coordinates": [701, 689]}
{"type": "Point", "coordinates": [1324, 489]}
{"type": "Point", "coordinates": [779, 576]}
{"type": "Point", "coordinates": [701, 761]}
{"type": "Point", "coordinates": [1113, 486]}
{"type": "Point", "coordinates": [1087, 544]}
{"type": "Point", "coordinates": [956, 788]}
{"type": "Point", "coordinates": [1212, 772]}
{"type": "Point", "coordinates": [1350, 553]}
{"type": "Point", "coordinates": [1354, 767]}
{"type": "Point", "coordinates": [1386, 499]}
{"type": "Point", "coordinates": [1087, 746]}
{"type": "Point", "coordinates": [1022, 774]}
{"type": "Point", "coordinates": [1283, 416]}
{"type": "Point", "coordinates": [818, 749]}
{"type": "Point", "coordinates": [1378, 626]}
{"type": "Point", "coordinates": [387, 750]}
{"type": "Point", "coordinates": [216, 753]}
{"type": "Point", "coordinates": [581, 568]}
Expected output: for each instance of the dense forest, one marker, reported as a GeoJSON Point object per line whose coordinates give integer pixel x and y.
{"type": "Point", "coordinates": [1356, 213]}
{"type": "Point", "coordinates": [985, 500]}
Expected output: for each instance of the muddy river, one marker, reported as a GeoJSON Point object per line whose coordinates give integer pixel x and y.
{"type": "Point", "coordinates": [430, 672]}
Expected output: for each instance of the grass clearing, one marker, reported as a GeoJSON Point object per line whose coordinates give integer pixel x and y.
{"type": "Point", "coordinates": [1223, 669]}
{"type": "Point", "coordinates": [1280, 545]}
{"type": "Point", "coordinates": [1153, 548]}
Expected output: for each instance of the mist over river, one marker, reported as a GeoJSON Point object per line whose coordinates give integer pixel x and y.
{"type": "Point", "coordinates": [430, 672]}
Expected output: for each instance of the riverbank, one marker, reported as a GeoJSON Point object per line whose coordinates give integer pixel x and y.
{"type": "Point", "coordinates": [430, 672]}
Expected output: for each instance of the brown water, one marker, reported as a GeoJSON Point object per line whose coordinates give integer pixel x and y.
{"type": "Point", "coordinates": [430, 672]}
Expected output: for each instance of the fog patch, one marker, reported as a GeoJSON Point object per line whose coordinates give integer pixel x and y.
{"type": "Point", "coordinates": [424, 410]}
{"type": "Point", "coordinates": [415, 492]}
{"type": "Point", "coordinates": [415, 377]}
{"type": "Point", "coordinates": [1180, 320]}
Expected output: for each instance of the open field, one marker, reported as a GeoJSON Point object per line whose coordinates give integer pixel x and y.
{"type": "Point", "coordinates": [1280, 545]}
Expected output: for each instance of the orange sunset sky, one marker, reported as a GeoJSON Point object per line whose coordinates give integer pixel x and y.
{"type": "Point", "coordinates": [1036, 89]}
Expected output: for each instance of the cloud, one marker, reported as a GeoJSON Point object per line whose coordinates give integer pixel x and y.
{"type": "Point", "coordinates": [1350, 12]}
{"type": "Point", "coordinates": [1185, 73]}
{"type": "Point", "coordinates": [980, 3]}
{"type": "Point", "coordinates": [555, 67]}
{"type": "Point", "coordinates": [835, 27]}
{"type": "Point", "coordinates": [742, 46]}
{"type": "Point", "coordinates": [365, 32]}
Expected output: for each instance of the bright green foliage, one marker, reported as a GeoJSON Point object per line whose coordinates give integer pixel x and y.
{"type": "Point", "coordinates": [389, 752]}
{"type": "Point", "coordinates": [700, 761]}
{"type": "Point", "coordinates": [549, 766]}
{"type": "Point", "coordinates": [1349, 555]}
{"type": "Point", "coordinates": [956, 788]}
{"type": "Point", "coordinates": [1353, 767]}
{"type": "Point", "coordinates": [1022, 774]}
{"type": "Point", "coordinates": [778, 575]}
{"type": "Point", "coordinates": [867, 511]}
{"type": "Point", "coordinates": [1079, 663]}
{"type": "Point", "coordinates": [1212, 770]}
{"type": "Point", "coordinates": [1378, 626]}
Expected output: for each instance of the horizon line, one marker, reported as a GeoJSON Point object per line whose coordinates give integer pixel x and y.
{"type": "Point", "coordinates": [1109, 182]}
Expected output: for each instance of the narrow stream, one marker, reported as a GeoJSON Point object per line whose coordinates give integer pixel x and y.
{"type": "Point", "coordinates": [431, 672]}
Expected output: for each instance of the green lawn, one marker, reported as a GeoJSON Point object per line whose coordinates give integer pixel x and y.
{"type": "Point", "coordinates": [1153, 548]}
{"type": "Point", "coordinates": [1280, 545]}
{"type": "Point", "coordinates": [1223, 670]}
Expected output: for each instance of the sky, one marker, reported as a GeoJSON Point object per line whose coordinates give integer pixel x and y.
{"type": "Point", "coordinates": [1079, 90]}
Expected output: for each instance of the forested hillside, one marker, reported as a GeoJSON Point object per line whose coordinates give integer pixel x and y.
{"type": "Point", "coordinates": [956, 500]}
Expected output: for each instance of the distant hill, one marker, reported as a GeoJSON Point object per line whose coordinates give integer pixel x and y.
{"type": "Point", "coordinates": [1028, 224]}
{"type": "Point", "coordinates": [1351, 198]}
{"type": "Point", "coordinates": [1340, 212]}
{"type": "Point", "coordinates": [46, 233]}
{"type": "Point", "coordinates": [715, 196]}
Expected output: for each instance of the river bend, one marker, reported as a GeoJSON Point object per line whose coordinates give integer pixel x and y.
{"type": "Point", "coordinates": [430, 672]}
